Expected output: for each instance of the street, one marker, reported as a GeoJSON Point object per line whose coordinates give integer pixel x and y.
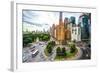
{"type": "Point", "coordinates": [83, 53]}
{"type": "Point", "coordinates": [39, 57]}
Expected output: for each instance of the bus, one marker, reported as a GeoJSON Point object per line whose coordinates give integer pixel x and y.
{"type": "Point", "coordinates": [34, 52]}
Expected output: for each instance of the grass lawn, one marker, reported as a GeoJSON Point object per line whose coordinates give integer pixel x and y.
{"type": "Point", "coordinates": [46, 53]}
{"type": "Point", "coordinates": [60, 58]}
{"type": "Point", "coordinates": [71, 54]}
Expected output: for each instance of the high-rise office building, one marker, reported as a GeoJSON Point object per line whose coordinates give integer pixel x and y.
{"type": "Point", "coordinates": [72, 20]}
{"type": "Point", "coordinates": [85, 22]}
{"type": "Point", "coordinates": [66, 22]}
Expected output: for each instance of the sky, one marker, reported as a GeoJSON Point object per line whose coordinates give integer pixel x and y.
{"type": "Point", "coordinates": [43, 20]}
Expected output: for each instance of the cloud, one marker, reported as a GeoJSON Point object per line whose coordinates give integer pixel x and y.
{"type": "Point", "coordinates": [33, 23]}
{"type": "Point", "coordinates": [45, 19]}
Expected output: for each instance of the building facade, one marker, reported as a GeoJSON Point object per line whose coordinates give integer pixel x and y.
{"type": "Point", "coordinates": [76, 33]}
{"type": "Point", "coordinates": [68, 30]}
{"type": "Point", "coordinates": [85, 22]}
{"type": "Point", "coordinates": [75, 30]}
{"type": "Point", "coordinates": [62, 32]}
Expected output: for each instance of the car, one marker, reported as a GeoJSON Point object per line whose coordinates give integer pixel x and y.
{"type": "Point", "coordinates": [40, 43]}
{"type": "Point", "coordinates": [24, 57]}
{"type": "Point", "coordinates": [34, 52]}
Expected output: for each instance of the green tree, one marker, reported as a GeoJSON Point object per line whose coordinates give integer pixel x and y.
{"type": "Point", "coordinates": [58, 51]}
{"type": "Point", "coordinates": [49, 48]}
{"type": "Point", "coordinates": [45, 37]}
{"type": "Point", "coordinates": [26, 40]}
{"type": "Point", "coordinates": [63, 51]}
{"type": "Point", "coordinates": [72, 48]}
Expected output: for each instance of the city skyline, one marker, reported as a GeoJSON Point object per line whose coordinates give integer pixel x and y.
{"type": "Point", "coordinates": [43, 20]}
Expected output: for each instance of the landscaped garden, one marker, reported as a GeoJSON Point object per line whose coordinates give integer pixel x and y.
{"type": "Point", "coordinates": [63, 53]}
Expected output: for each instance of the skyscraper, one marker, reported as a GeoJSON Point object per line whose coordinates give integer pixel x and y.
{"type": "Point", "coordinates": [60, 18]}
{"type": "Point", "coordinates": [84, 20]}
{"type": "Point", "coordinates": [66, 22]}
{"type": "Point", "coordinates": [60, 31]}
{"type": "Point", "coordinates": [72, 20]}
